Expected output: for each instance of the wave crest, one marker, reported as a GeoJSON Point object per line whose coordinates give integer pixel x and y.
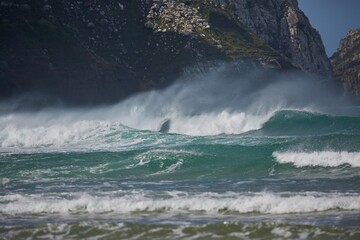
{"type": "Point", "coordinates": [54, 135]}
{"type": "Point", "coordinates": [178, 202]}
{"type": "Point", "coordinates": [294, 122]}
{"type": "Point", "coordinates": [322, 159]}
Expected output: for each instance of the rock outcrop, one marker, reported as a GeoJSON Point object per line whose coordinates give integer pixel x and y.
{"type": "Point", "coordinates": [88, 51]}
{"type": "Point", "coordinates": [92, 51]}
{"type": "Point", "coordinates": [346, 62]}
{"type": "Point", "coordinates": [279, 23]}
{"type": "Point", "coordinates": [206, 21]}
{"type": "Point", "coordinates": [282, 25]}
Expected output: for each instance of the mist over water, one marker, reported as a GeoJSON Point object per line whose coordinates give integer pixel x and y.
{"type": "Point", "coordinates": [229, 98]}
{"type": "Point", "coordinates": [242, 152]}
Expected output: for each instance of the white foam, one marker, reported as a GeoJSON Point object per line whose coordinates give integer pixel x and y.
{"type": "Point", "coordinates": [204, 106]}
{"type": "Point", "coordinates": [171, 168]}
{"type": "Point", "coordinates": [77, 136]}
{"type": "Point", "coordinates": [224, 122]}
{"type": "Point", "coordinates": [51, 131]}
{"type": "Point", "coordinates": [4, 181]}
{"type": "Point", "coordinates": [323, 159]}
{"type": "Point", "coordinates": [174, 202]}
{"type": "Point", "coordinates": [56, 135]}
{"type": "Point", "coordinates": [206, 102]}
{"type": "Point", "coordinates": [281, 232]}
{"type": "Point", "coordinates": [160, 155]}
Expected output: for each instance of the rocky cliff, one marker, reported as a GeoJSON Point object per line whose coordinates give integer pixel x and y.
{"type": "Point", "coordinates": [279, 23]}
{"type": "Point", "coordinates": [282, 25]}
{"type": "Point", "coordinates": [346, 62]}
{"type": "Point", "coordinates": [92, 51]}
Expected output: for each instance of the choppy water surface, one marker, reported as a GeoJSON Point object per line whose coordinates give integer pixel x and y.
{"type": "Point", "coordinates": [257, 173]}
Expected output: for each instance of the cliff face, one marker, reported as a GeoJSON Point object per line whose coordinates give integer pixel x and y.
{"type": "Point", "coordinates": [92, 51]}
{"type": "Point", "coordinates": [87, 51]}
{"type": "Point", "coordinates": [282, 25]}
{"type": "Point", "coordinates": [346, 62]}
{"type": "Point", "coordinates": [279, 23]}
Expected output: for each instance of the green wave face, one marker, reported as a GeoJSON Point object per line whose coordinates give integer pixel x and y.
{"type": "Point", "coordinates": [297, 176]}
{"type": "Point", "coordinates": [300, 123]}
{"type": "Point", "coordinates": [141, 155]}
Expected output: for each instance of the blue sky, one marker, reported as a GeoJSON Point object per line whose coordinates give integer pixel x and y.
{"type": "Point", "coordinates": [332, 18]}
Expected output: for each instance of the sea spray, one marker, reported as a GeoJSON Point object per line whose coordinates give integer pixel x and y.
{"type": "Point", "coordinates": [251, 154]}
{"type": "Point", "coordinates": [220, 100]}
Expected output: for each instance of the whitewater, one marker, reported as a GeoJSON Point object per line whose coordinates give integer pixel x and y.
{"type": "Point", "coordinates": [253, 155]}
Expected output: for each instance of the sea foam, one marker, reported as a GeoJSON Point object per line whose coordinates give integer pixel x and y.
{"type": "Point", "coordinates": [322, 159]}
{"type": "Point", "coordinates": [217, 123]}
{"type": "Point", "coordinates": [175, 202]}
{"type": "Point", "coordinates": [58, 134]}
{"type": "Point", "coordinates": [57, 130]}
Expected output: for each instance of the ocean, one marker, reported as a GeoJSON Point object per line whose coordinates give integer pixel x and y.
{"type": "Point", "coordinates": [231, 162]}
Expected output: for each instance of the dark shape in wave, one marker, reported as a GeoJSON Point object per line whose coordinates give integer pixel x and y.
{"type": "Point", "coordinates": [165, 126]}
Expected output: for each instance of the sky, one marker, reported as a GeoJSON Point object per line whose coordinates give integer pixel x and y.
{"type": "Point", "coordinates": [332, 18]}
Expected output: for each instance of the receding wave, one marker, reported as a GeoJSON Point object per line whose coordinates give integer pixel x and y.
{"type": "Point", "coordinates": [173, 230]}
{"type": "Point", "coordinates": [177, 202]}
{"type": "Point", "coordinates": [323, 159]}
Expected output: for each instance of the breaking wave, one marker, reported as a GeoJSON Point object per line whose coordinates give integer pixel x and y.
{"type": "Point", "coordinates": [177, 202]}
{"type": "Point", "coordinates": [295, 122]}
{"type": "Point", "coordinates": [27, 131]}
{"type": "Point", "coordinates": [322, 159]}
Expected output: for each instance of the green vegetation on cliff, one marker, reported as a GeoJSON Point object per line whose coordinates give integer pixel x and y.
{"type": "Point", "coordinates": [93, 51]}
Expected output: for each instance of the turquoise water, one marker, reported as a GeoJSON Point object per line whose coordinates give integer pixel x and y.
{"type": "Point", "coordinates": [295, 176]}
{"type": "Point", "coordinates": [267, 156]}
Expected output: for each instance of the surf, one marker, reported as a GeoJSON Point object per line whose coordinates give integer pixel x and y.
{"type": "Point", "coordinates": [177, 202]}
{"type": "Point", "coordinates": [217, 146]}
